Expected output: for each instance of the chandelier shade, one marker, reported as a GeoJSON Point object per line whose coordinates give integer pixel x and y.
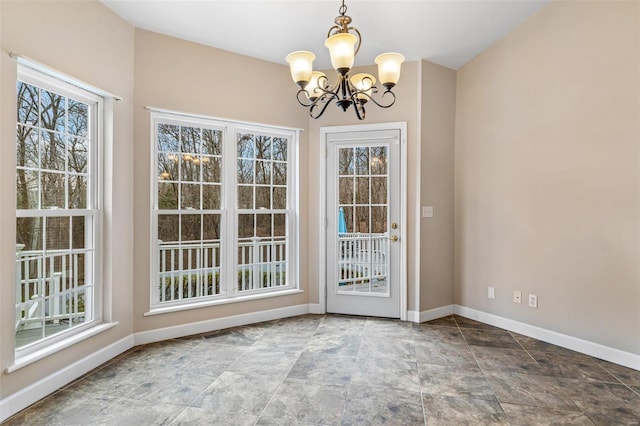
{"type": "Point", "coordinates": [342, 51]}
{"type": "Point", "coordinates": [343, 42]}
{"type": "Point", "coordinates": [301, 66]}
{"type": "Point", "coordinates": [389, 65]}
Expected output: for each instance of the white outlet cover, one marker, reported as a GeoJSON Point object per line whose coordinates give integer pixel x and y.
{"type": "Point", "coordinates": [491, 292]}
{"type": "Point", "coordinates": [427, 211]}
{"type": "Point", "coordinates": [517, 296]}
{"type": "Point", "coordinates": [533, 301]}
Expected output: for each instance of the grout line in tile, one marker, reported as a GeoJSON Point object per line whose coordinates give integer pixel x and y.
{"type": "Point", "coordinates": [286, 375]}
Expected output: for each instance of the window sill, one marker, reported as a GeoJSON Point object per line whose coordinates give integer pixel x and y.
{"type": "Point", "coordinates": [32, 357]}
{"type": "Point", "coordinates": [157, 310]}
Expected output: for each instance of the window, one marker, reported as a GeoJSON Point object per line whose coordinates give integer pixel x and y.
{"type": "Point", "coordinates": [223, 215]}
{"type": "Point", "coordinates": [57, 209]}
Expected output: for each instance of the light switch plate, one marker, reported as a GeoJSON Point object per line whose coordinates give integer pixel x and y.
{"type": "Point", "coordinates": [427, 211]}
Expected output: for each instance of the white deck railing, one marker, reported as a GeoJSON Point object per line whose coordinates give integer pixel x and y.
{"type": "Point", "coordinates": [362, 257]}
{"type": "Point", "coordinates": [48, 287]}
{"type": "Point", "coordinates": [193, 270]}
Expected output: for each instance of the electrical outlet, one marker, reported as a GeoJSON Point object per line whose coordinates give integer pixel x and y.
{"type": "Point", "coordinates": [533, 301]}
{"type": "Point", "coordinates": [517, 296]}
{"type": "Point", "coordinates": [491, 292]}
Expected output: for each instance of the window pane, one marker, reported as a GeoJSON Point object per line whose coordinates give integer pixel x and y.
{"type": "Point", "coordinates": [57, 233]}
{"type": "Point", "coordinates": [78, 118]}
{"type": "Point", "coordinates": [245, 171]}
{"type": "Point", "coordinates": [211, 169]}
{"type": "Point", "coordinates": [379, 220]}
{"type": "Point", "coordinates": [349, 218]}
{"type": "Point", "coordinates": [362, 190]}
{"type": "Point", "coordinates": [263, 147]}
{"type": "Point", "coordinates": [168, 138]}
{"type": "Point", "coordinates": [362, 219]}
{"type": "Point", "coordinates": [280, 149]}
{"type": "Point", "coordinates": [211, 227]}
{"type": "Point", "coordinates": [167, 196]}
{"type": "Point", "coordinates": [29, 233]}
{"type": "Point", "coordinates": [263, 197]}
{"type": "Point", "coordinates": [263, 225]}
{"type": "Point", "coordinates": [362, 161]}
{"type": "Point", "coordinates": [27, 147]}
{"type": "Point", "coordinates": [210, 197]}
{"type": "Point", "coordinates": [279, 173]}
{"type": "Point", "coordinates": [246, 227]}
{"type": "Point", "coordinates": [263, 172]}
{"type": "Point", "coordinates": [279, 198]}
{"type": "Point", "coordinates": [28, 96]}
{"type": "Point", "coordinates": [52, 150]}
{"type": "Point", "coordinates": [190, 226]}
{"type": "Point", "coordinates": [53, 111]}
{"type": "Point", "coordinates": [245, 146]}
{"type": "Point", "coordinates": [78, 226]}
{"type": "Point", "coordinates": [245, 197]}
{"type": "Point", "coordinates": [279, 225]}
{"type": "Point", "coordinates": [168, 167]}
{"type": "Point", "coordinates": [190, 195]}
{"type": "Point", "coordinates": [345, 161]}
{"type": "Point", "coordinates": [77, 192]}
{"type": "Point", "coordinates": [346, 190]}
{"type": "Point", "coordinates": [169, 228]}
{"type": "Point", "coordinates": [77, 155]}
{"type": "Point", "coordinates": [379, 160]}
{"type": "Point", "coordinates": [190, 168]}
{"type": "Point", "coordinates": [211, 142]}
{"type": "Point", "coordinates": [27, 190]}
{"type": "Point", "coordinates": [53, 190]}
{"type": "Point", "coordinates": [379, 190]}
{"type": "Point", "coordinates": [190, 140]}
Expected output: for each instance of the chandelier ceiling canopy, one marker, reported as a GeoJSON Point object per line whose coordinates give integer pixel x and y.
{"type": "Point", "coordinates": [343, 42]}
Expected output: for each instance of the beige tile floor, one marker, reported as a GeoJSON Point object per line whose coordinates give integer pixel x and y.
{"type": "Point", "coordinates": [330, 369]}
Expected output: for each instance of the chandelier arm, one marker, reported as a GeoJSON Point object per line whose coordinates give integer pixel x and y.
{"type": "Point", "coordinates": [359, 40]}
{"type": "Point", "coordinates": [359, 108]}
{"type": "Point", "coordinates": [393, 100]}
{"type": "Point", "coordinates": [301, 98]}
{"type": "Point", "coordinates": [337, 28]}
{"type": "Point", "coordinates": [326, 99]}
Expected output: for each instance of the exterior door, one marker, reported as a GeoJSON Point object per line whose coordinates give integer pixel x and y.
{"type": "Point", "coordinates": [363, 223]}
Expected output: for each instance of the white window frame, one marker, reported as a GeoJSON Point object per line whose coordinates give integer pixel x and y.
{"type": "Point", "coordinates": [228, 211]}
{"type": "Point", "coordinates": [38, 76]}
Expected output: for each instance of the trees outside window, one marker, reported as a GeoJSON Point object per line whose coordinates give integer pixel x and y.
{"type": "Point", "coordinates": [223, 210]}
{"type": "Point", "coordinates": [57, 208]}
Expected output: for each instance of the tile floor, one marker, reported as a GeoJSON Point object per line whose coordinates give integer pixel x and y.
{"type": "Point", "coordinates": [329, 369]}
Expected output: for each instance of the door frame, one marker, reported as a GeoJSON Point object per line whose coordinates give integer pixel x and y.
{"type": "Point", "coordinates": [322, 253]}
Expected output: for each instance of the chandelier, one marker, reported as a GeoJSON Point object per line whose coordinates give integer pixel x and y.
{"type": "Point", "coordinates": [343, 43]}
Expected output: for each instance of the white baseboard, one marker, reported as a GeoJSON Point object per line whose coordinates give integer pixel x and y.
{"type": "Point", "coordinates": [413, 316]}
{"type": "Point", "coordinates": [435, 313]}
{"type": "Point", "coordinates": [182, 330]}
{"type": "Point", "coordinates": [597, 350]}
{"type": "Point", "coordinates": [316, 308]}
{"type": "Point", "coordinates": [43, 387]}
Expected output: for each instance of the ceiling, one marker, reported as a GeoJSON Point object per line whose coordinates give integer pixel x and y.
{"type": "Point", "coordinates": [446, 32]}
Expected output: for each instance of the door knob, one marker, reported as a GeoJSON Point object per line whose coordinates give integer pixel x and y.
{"type": "Point", "coordinates": [393, 238]}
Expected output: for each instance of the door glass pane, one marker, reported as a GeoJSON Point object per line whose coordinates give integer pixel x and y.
{"type": "Point", "coordinates": [363, 239]}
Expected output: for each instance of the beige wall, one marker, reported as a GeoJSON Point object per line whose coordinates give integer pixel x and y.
{"type": "Point", "coordinates": [405, 109]}
{"type": "Point", "coordinates": [547, 173]}
{"type": "Point", "coordinates": [89, 42]}
{"type": "Point", "coordinates": [183, 76]}
{"type": "Point", "coordinates": [438, 107]}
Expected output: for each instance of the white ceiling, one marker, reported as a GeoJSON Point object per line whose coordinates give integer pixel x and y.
{"type": "Point", "coordinates": [447, 32]}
